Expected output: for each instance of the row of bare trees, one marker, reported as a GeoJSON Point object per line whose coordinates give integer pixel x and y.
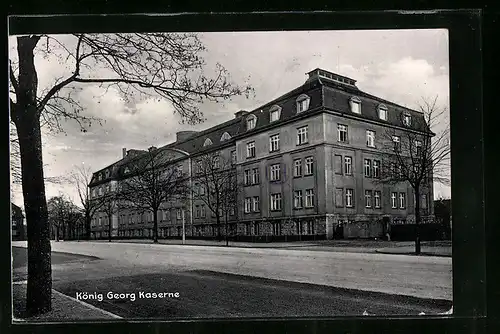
{"type": "Point", "coordinates": [65, 218]}
{"type": "Point", "coordinates": [153, 180]}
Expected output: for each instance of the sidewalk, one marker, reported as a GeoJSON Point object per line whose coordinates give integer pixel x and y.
{"type": "Point", "coordinates": [64, 308]}
{"type": "Point", "coordinates": [429, 248]}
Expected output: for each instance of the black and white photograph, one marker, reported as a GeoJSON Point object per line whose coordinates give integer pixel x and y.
{"type": "Point", "coordinates": [230, 175]}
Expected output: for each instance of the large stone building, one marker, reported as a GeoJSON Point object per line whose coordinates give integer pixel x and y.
{"type": "Point", "coordinates": [307, 163]}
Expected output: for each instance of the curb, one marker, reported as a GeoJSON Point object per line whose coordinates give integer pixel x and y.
{"type": "Point", "coordinates": [412, 253]}
{"type": "Point", "coordinates": [87, 305]}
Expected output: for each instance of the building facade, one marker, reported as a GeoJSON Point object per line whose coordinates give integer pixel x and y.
{"type": "Point", "coordinates": [308, 166]}
{"type": "Point", "coordinates": [18, 230]}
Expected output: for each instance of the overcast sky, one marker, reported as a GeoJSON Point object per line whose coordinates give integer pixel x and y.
{"type": "Point", "coordinates": [399, 65]}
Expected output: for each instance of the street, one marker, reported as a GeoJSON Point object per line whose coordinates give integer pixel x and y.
{"type": "Point", "coordinates": [220, 281]}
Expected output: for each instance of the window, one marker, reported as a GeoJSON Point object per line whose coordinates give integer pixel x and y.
{"type": "Point", "coordinates": [368, 168]}
{"type": "Point", "coordinates": [275, 172]}
{"type": "Point", "coordinates": [274, 143]}
{"type": "Point", "coordinates": [424, 201]}
{"type": "Point", "coordinates": [302, 103]}
{"type": "Point", "coordinates": [382, 112]}
{"type": "Point", "coordinates": [309, 198]}
{"type": "Point", "coordinates": [207, 142]}
{"type": "Point", "coordinates": [418, 147]}
{"type": "Point", "coordinates": [376, 168]}
{"type": "Point", "coordinates": [233, 157]}
{"type": "Point", "coordinates": [397, 143]}
{"type": "Point", "coordinates": [402, 200]}
{"type": "Point", "coordinates": [337, 161]}
{"type": "Point", "coordinates": [203, 211]}
{"type": "Point", "coordinates": [368, 198]}
{"type": "Point", "coordinates": [276, 228]}
{"type": "Point", "coordinates": [251, 149]}
{"type": "Point", "coordinates": [302, 135]}
{"type": "Point", "coordinates": [394, 203]}
{"type": "Point", "coordinates": [197, 212]}
{"type": "Point", "coordinates": [255, 204]}
{"type": "Point", "coordinates": [297, 199]}
{"type": "Point", "coordinates": [377, 197]}
{"type": "Point", "coordinates": [179, 170]}
{"type": "Point", "coordinates": [370, 138]}
{"type": "Point", "coordinates": [297, 167]}
{"type": "Point", "coordinates": [342, 133]}
{"type": "Point", "coordinates": [349, 198]}
{"type": "Point", "coordinates": [406, 119]}
{"type": "Point", "coordinates": [225, 136]}
{"type": "Point", "coordinates": [202, 190]}
{"type": "Point", "coordinates": [309, 162]}
{"type": "Point", "coordinates": [100, 191]}
{"type": "Point", "coordinates": [348, 165]}
{"type": "Point", "coordinates": [248, 179]}
{"type": "Point", "coordinates": [216, 162]}
{"type": "Point", "coordinates": [248, 204]}
{"type": "Point", "coordinates": [355, 105]}
{"type": "Point", "coordinates": [339, 197]}
{"type": "Point", "coordinates": [255, 176]}
{"type": "Point", "coordinates": [232, 211]}
{"type": "Point", "coordinates": [275, 113]}
{"type": "Point", "coordinates": [179, 214]}
{"type": "Point", "coordinates": [251, 122]}
{"type": "Point", "coordinates": [275, 202]}
{"type": "Point", "coordinates": [199, 166]}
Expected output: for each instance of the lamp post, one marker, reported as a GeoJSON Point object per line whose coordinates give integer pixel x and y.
{"type": "Point", "coordinates": [190, 176]}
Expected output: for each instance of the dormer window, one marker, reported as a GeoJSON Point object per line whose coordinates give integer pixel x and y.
{"type": "Point", "coordinates": [382, 112]}
{"type": "Point", "coordinates": [406, 119]}
{"type": "Point", "coordinates": [126, 170]}
{"type": "Point", "coordinates": [303, 103]}
{"type": "Point", "coordinates": [225, 136]}
{"type": "Point", "coordinates": [207, 142]}
{"type": "Point", "coordinates": [251, 122]}
{"type": "Point", "coordinates": [275, 113]}
{"type": "Point", "coordinates": [355, 104]}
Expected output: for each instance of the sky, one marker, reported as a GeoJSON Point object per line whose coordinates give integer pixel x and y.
{"type": "Point", "coordinates": [402, 66]}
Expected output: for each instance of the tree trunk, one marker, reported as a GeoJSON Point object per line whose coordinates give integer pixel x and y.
{"type": "Point", "coordinates": [155, 226]}
{"type": "Point", "coordinates": [417, 220]}
{"type": "Point", "coordinates": [219, 236]}
{"type": "Point", "coordinates": [88, 221]}
{"type": "Point", "coordinates": [25, 116]}
{"type": "Point", "coordinates": [110, 227]}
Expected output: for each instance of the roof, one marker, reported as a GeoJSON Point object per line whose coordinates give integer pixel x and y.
{"type": "Point", "coordinates": [323, 93]}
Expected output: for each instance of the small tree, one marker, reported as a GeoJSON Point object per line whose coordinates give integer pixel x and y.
{"type": "Point", "coordinates": [81, 178]}
{"type": "Point", "coordinates": [217, 187]}
{"type": "Point", "coordinates": [153, 180]}
{"type": "Point", "coordinates": [109, 206]}
{"type": "Point", "coordinates": [417, 156]}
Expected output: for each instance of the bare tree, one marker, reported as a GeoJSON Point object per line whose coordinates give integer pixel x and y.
{"type": "Point", "coordinates": [217, 187]}
{"type": "Point", "coordinates": [61, 213]}
{"type": "Point", "coordinates": [109, 206]}
{"type": "Point", "coordinates": [418, 156]}
{"type": "Point", "coordinates": [166, 66]}
{"type": "Point", "coordinates": [153, 181]}
{"type": "Point", "coordinates": [81, 178]}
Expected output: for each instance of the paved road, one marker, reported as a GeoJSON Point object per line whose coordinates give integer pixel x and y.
{"type": "Point", "coordinates": [424, 277]}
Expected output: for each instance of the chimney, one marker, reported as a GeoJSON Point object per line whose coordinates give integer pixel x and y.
{"type": "Point", "coordinates": [124, 152]}
{"type": "Point", "coordinates": [240, 113]}
{"type": "Point", "coordinates": [152, 148]}
{"type": "Point", "coordinates": [183, 135]}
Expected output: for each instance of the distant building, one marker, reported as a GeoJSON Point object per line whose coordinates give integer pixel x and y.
{"type": "Point", "coordinates": [308, 162]}
{"type": "Point", "coordinates": [18, 231]}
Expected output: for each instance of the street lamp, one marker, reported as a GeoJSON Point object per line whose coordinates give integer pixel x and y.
{"type": "Point", "coordinates": [190, 175]}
